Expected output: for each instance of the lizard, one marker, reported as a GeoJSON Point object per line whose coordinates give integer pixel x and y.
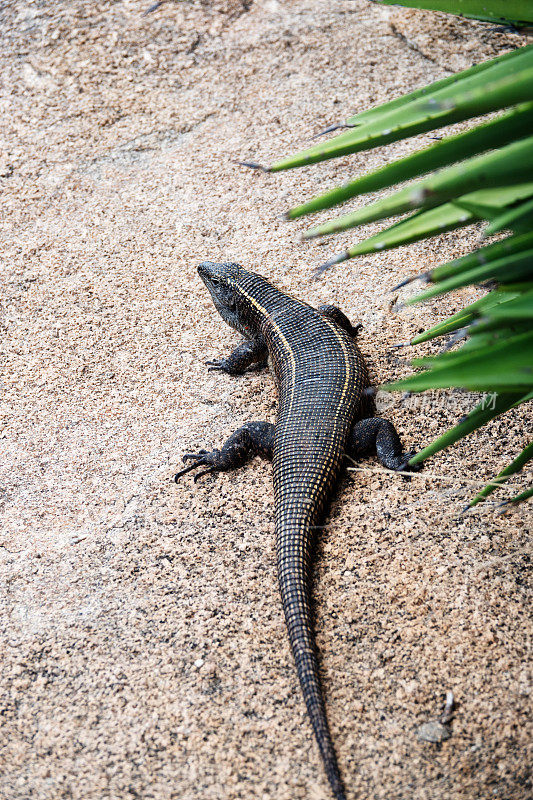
{"type": "Point", "coordinates": [323, 416]}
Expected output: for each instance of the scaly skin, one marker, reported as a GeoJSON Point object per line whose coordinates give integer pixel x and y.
{"type": "Point", "coordinates": [321, 377]}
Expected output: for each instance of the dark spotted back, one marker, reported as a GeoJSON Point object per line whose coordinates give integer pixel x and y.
{"type": "Point", "coordinates": [321, 376]}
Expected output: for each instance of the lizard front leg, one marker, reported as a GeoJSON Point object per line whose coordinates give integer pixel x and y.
{"type": "Point", "coordinates": [251, 351]}
{"type": "Point", "coordinates": [254, 438]}
{"type": "Point", "coordinates": [376, 433]}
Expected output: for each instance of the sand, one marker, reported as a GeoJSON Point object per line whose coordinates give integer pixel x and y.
{"type": "Point", "coordinates": [144, 653]}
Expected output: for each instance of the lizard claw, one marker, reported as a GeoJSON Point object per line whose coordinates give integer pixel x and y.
{"type": "Point", "coordinates": [204, 472]}
{"type": "Point", "coordinates": [178, 475]}
{"type": "Point", "coordinates": [216, 366]}
{"type": "Point", "coordinates": [202, 458]}
{"type": "Point", "coordinates": [189, 456]}
{"type": "Point", "coordinates": [223, 366]}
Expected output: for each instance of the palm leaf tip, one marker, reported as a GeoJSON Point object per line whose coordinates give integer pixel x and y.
{"type": "Point", "coordinates": [253, 165]}
{"type": "Point", "coordinates": [331, 262]}
{"type": "Point", "coordinates": [511, 469]}
{"type": "Point", "coordinates": [519, 498]}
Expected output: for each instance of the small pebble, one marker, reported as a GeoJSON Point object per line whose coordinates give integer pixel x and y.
{"type": "Point", "coordinates": [199, 663]}
{"type": "Point", "coordinates": [433, 732]}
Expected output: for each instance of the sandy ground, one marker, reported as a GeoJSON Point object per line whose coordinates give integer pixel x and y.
{"type": "Point", "coordinates": [143, 647]}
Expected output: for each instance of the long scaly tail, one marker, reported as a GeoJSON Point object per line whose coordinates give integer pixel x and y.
{"type": "Point", "coordinates": [294, 542]}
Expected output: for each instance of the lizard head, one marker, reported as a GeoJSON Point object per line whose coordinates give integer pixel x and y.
{"type": "Point", "coordinates": [223, 282]}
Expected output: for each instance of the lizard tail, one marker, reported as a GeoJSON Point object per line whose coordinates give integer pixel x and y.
{"type": "Point", "coordinates": [294, 546]}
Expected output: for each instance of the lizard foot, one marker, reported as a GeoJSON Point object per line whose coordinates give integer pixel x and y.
{"type": "Point", "coordinates": [254, 438]}
{"type": "Point", "coordinates": [404, 466]}
{"type": "Point", "coordinates": [201, 459]}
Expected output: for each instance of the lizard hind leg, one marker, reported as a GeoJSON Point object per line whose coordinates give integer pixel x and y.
{"type": "Point", "coordinates": [376, 433]}
{"type": "Point", "coordinates": [254, 438]}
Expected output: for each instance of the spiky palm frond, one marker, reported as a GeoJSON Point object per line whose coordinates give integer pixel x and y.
{"type": "Point", "coordinates": [485, 173]}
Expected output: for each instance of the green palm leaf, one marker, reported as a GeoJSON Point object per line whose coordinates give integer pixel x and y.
{"type": "Point", "coordinates": [438, 220]}
{"type": "Point", "coordinates": [509, 165]}
{"type": "Point", "coordinates": [519, 219]}
{"type": "Point", "coordinates": [487, 409]}
{"type": "Point", "coordinates": [492, 134]}
{"type": "Point", "coordinates": [518, 13]}
{"type": "Point", "coordinates": [513, 244]}
{"type": "Point", "coordinates": [513, 309]}
{"type": "Point", "coordinates": [519, 498]}
{"type": "Point", "coordinates": [506, 366]}
{"type": "Point", "coordinates": [518, 267]}
{"type": "Point", "coordinates": [511, 469]}
{"type": "Point", "coordinates": [466, 315]}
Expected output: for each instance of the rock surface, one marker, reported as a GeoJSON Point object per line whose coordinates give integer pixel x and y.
{"type": "Point", "coordinates": [144, 653]}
